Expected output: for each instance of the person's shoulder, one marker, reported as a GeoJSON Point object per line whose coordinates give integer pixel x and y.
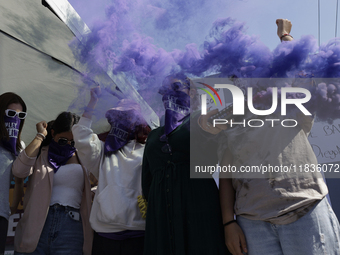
{"type": "Point", "coordinates": [156, 131]}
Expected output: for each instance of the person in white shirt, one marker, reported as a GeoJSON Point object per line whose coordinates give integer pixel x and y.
{"type": "Point", "coordinates": [117, 165]}
{"type": "Point", "coordinates": [58, 196]}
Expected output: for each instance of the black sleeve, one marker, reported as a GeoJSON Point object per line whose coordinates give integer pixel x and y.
{"type": "Point", "coordinates": [146, 175]}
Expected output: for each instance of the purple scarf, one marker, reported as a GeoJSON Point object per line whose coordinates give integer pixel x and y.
{"type": "Point", "coordinates": [123, 119]}
{"type": "Point", "coordinates": [118, 136]}
{"type": "Point", "coordinates": [177, 106]}
{"type": "Point", "coordinates": [12, 126]}
{"type": "Point", "coordinates": [59, 155]}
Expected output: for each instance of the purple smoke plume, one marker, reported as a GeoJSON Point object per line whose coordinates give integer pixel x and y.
{"type": "Point", "coordinates": [122, 43]}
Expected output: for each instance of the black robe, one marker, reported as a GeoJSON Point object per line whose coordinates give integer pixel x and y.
{"type": "Point", "coordinates": [183, 214]}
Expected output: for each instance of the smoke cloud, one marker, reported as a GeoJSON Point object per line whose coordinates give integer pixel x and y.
{"type": "Point", "coordinates": [134, 38]}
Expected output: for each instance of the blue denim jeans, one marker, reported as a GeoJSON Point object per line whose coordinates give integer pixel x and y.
{"type": "Point", "coordinates": [316, 233]}
{"type": "Point", "coordinates": [62, 233]}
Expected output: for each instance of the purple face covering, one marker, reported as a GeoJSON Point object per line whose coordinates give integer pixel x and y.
{"type": "Point", "coordinates": [59, 155]}
{"type": "Point", "coordinates": [118, 136]}
{"type": "Point", "coordinates": [177, 106]}
{"type": "Point", "coordinates": [12, 126]}
{"type": "Point", "coordinates": [123, 120]}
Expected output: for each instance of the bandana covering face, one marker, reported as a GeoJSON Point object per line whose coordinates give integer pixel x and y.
{"type": "Point", "coordinates": [59, 155]}
{"type": "Point", "coordinates": [12, 126]}
{"type": "Point", "coordinates": [177, 106]}
{"type": "Point", "coordinates": [118, 136]}
{"type": "Point", "coordinates": [123, 120]}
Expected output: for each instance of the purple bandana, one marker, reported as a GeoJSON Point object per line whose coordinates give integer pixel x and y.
{"type": "Point", "coordinates": [12, 126]}
{"type": "Point", "coordinates": [118, 136]}
{"type": "Point", "coordinates": [123, 119]}
{"type": "Point", "coordinates": [177, 106]}
{"type": "Point", "coordinates": [59, 155]}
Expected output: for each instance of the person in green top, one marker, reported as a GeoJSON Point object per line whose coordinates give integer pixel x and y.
{"type": "Point", "coordinates": [183, 214]}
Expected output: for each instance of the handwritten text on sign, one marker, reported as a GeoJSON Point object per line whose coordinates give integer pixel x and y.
{"type": "Point", "coordinates": [325, 141]}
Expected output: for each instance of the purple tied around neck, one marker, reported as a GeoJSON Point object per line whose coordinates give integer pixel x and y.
{"type": "Point", "coordinates": [12, 126]}
{"type": "Point", "coordinates": [177, 106]}
{"type": "Point", "coordinates": [59, 155]}
{"type": "Point", "coordinates": [123, 120]}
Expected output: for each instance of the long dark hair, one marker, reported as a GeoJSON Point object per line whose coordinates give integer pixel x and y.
{"type": "Point", "coordinates": [5, 100]}
{"type": "Point", "coordinates": [63, 123]}
{"type": "Point", "coordinates": [141, 133]}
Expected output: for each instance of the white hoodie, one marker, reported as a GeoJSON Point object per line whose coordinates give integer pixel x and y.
{"type": "Point", "coordinates": [115, 205]}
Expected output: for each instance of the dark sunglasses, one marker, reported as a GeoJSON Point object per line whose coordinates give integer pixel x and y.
{"type": "Point", "coordinates": [166, 148]}
{"type": "Point", "coordinates": [11, 113]}
{"type": "Point", "coordinates": [63, 141]}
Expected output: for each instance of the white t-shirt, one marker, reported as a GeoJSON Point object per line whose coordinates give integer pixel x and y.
{"type": "Point", "coordinates": [280, 197]}
{"type": "Point", "coordinates": [68, 185]}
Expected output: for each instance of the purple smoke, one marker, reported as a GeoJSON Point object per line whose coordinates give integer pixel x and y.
{"type": "Point", "coordinates": [121, 44]}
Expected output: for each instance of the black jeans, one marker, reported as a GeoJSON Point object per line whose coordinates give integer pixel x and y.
{"type": "Point", "coordinates": [106, 246]}
{"type": "Point", "coordinates": [3, 234]}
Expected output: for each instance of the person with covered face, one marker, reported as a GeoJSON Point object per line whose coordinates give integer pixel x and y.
{"type": "Point", "coordinates": [57, 201]}
{"type": "Point", "coordinates": [117, 165]}
{"type": "Point", "coordinates": [12, 118]}
{"type": "Point", "coordinates": [183, 214]}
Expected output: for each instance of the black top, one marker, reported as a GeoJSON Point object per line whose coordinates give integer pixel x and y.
{"type": "Point", "coordinates": [183, 214]}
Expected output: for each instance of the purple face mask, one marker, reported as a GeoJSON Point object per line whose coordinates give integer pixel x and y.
{"type": "Point", "coordinates": [177, 106]}
{"type": "Point", "coordinates": [12, 126]}
{"type": "Point", "coordinates": [59, 155]}
{"type": "Point", "coordinates": [118, 136]}
{"type": "Point", "coordinates": [123, 119]}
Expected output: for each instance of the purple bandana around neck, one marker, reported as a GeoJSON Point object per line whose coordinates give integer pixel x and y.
{"type": "Point", "coordinates": [118, 136]}
{"type": "Point", "coordinates": [177, 106]}
{"type": "Point", "coordinates": [59, 155]}
{"type": "Point", "coordinates": [12, 126]}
